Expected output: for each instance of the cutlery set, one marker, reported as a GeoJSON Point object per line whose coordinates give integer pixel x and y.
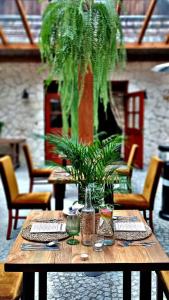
{"type": "Point", "coordinates": [122, 218]}
{"type": "Point", "coordinates": [55, 246]}
{"type": "Point", "coordinates": [135, 243]}
{"type": "Point", "coordinates": [52, 246]}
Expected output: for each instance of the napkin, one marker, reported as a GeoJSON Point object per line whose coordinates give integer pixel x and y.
{"type": "Point", "coordinates": [129, 226]}
{"type": "Point", "coordinates": [48, 227]}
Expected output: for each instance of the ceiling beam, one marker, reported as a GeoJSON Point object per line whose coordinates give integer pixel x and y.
{"type": "Point", "coordinates": [29, 46]}
{"type": "Point", "coordinates": [147, 52]}
{"type": "Point", "coordinates": [135, 52]}
{"type": "Point", "coordinates": [146, 20]}
{"type": "Point", "coordinates": [3, 37]}
{"type": "Point", "coordinates": [22, 12]}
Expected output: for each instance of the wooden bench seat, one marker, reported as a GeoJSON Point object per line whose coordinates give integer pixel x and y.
{"type": "Point", "coordinates": [10, 284]}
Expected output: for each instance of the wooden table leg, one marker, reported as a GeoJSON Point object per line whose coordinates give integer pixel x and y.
{"type": "Point", "coordinates": [145, 285]}
{"type": "Point", "coordinates": [159, 288]}
{"type": "Point", "coordinates": [28, 286]}
{"type": "Point", "coordinates": [127, 285]}
{"type": "Point", "coordinates": [42, 285]}
{"type": "Point", "coordinates": [17, 155]}
{"type": "Point", "coordinates": [59, 194]}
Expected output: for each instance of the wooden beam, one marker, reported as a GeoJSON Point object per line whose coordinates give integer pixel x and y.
{"type": "Point", "coordinates": [3, 37]}
{"type": "Point", "coordinates": [135, 52]}
{"type": "Point", "coordinates": [19, 46]}
{"type": "Point", "coordinates": [148, 45]}
{"type": "Point", "coordinates": [167, 39]}
{"type": "Point", "coordinates": [147, 52]}
{"type": "Point", "coordinates": [146, 20]}
{"type": "Point", "coordinates": [22, 12]}
{"type": "Point", "coordinates": [28, 46]}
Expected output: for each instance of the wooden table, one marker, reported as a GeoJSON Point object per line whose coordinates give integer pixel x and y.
{"type": "Point", "coordinates": [59, 178]}
{"type": "Point", "coordinates": [13, 149]}
{"type": "Point", "coordinates": [113, 258]}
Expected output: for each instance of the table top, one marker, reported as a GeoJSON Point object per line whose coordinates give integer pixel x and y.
{"type": "Point", "coordinates": [58, 175]}
{"type": "Point", "coordinates": [4, 141]}
{"type": "Point", "coordinates": [68, 259]}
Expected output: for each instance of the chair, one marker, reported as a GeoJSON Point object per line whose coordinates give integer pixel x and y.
{"type": "Point", "coordinates": [10, 284]}
{"type": "Point", "coordinates": [163, 284]}
{"type": "Point", "coordinates": [37, 176]}
{"type": "Point", "coordinates": [128, 169]}
{"type": "Point", "coordinates": [144, 201]}
{"type": "Point", "coordinates": [16, 200]}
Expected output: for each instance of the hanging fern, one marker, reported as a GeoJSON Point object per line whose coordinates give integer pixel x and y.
{"type": "Point", "coordinates": [78, 35]}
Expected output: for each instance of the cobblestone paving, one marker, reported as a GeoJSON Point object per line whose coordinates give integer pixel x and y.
{"type": "Point", "coordinates": [78, 286]}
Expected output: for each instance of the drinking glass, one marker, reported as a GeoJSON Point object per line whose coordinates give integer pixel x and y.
{"type": "Point", "coordinates": [73, 228]}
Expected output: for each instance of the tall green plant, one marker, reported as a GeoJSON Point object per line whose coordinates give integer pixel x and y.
{"type": "Point", "coordinates": [78, 36]}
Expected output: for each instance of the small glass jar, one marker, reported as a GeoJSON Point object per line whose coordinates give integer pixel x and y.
{"type": "Point", "coordinates": [105, 226]}
{"type": "Point", "coordinates": [98, 242]}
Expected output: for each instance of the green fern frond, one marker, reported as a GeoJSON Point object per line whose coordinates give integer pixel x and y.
{"type": "Point", "coordinates": [77, 35]}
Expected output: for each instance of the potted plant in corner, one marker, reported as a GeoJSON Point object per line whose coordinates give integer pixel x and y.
{"type": "Point", "coordinates": [78, 37]}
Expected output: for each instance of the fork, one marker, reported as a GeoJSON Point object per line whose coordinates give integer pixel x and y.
{"type": "Point", "coordinates": [135, 243]}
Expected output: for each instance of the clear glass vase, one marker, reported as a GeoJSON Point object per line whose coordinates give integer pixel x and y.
{"type": "Point", "coordinates": [87, 220]}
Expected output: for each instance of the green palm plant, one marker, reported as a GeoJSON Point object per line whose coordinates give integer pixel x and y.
{"type": "Point", "coordinates": [90, 164]}
{"type": "Point", "coordinates": [78, 36]}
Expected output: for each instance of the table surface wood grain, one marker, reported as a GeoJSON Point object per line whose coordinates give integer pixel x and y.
{"type": "Point", "coordinates": [59, 176]}
{"type": "Point", "coordinates": [112, 258]}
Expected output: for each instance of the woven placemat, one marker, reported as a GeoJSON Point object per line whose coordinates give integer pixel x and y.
{"type": "Point", "coordinates": [41, 236]}
{"type": "Point", "coordinates": [133, 235]}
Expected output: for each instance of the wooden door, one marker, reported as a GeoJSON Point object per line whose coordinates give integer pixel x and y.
{"type": "Point", "coordinates": [53, 119]}
{"type": "Point", "coordinates": [134, 119]}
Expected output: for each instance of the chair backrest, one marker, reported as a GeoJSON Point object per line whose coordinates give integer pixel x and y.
{"type": "Point", "coordinates": [152, 179]}
{"type": "Point", "coordinates": [8, 179]}
{"type": "Point", "coordinates": [28, 158]}
{"type": "Point", "coordinates": [132, 155]}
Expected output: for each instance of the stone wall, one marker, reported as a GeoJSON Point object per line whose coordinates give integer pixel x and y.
{"type": "Point", "coordinates": [25, 117]}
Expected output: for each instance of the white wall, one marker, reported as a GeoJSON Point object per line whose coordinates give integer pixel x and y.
{"type": "Point", "coordinates": [23, 118]}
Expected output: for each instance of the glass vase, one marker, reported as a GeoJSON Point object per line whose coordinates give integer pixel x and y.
{"type": "Point", "coordinates": [87, 220]}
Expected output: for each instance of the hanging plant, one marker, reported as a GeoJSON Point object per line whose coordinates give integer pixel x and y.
{"type": "Point", "coordinates": [78, 36]}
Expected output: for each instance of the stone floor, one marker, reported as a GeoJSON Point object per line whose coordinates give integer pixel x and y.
{"type": "Point", "coordinates": [78, 286]}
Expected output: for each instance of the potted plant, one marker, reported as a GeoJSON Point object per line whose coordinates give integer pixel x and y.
{"type": "Point", "coordinates": [91, 165]}
{"type": "Point", "coordinates": [77, 37]}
